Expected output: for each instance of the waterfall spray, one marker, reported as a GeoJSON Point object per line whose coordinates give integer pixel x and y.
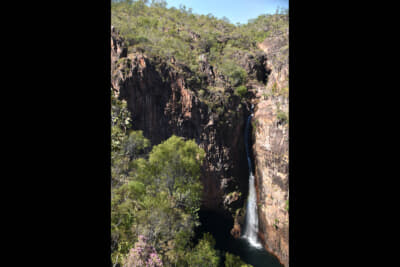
{"type": "Point", "coordinates": [251, 226]}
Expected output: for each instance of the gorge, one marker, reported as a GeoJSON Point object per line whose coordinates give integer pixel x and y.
{"type": "Point", "coordinates": [245, 209]}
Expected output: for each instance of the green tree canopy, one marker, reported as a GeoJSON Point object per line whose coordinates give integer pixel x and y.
{"type": "Point", "coordinates": [234, 261]}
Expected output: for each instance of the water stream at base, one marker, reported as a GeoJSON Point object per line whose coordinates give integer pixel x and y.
{"type": "Point", "coordinates": [247, 247]}
{"type": "Point", "coordinates": [219, 226]}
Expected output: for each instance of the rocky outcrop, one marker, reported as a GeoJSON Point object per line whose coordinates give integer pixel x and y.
{"type": "Point", "coordinates": [255, 66]}
{"type": "Point", "coordinates": [270, 147]}
{"type": "Point", "coordinates": [271, 173]}
{"type": "Point", "coordinates": [277, 49]}
{"type": "Point", "coordinates": [162, 104]}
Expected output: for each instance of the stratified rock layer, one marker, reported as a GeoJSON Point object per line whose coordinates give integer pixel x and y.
{"type": "Point", "coordinates": [271, 149]}
{"type": "Point", "coordinates": [272, 183]}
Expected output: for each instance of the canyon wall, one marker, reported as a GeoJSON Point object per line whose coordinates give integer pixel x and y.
{"type": "Point", "coordinates": [271, 150]}
{"type": "Point", "coordinates": [162, 104]}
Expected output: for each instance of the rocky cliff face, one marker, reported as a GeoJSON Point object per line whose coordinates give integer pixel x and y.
{"type": "Point", "coordinates": [277, 50]}
{"type": "Point", "coordinates": [162, 104]}
{"type": "Point", "coordinates": [270, 147]}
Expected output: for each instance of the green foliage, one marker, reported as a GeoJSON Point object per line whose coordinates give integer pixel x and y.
{"type": "Point", "coordinates": [266, 25]}
{"type": "Point", "coordinates": [282, 116]}
{"type": "Point", "coordinates": [120, 122]}
{"type": "Point", "coordinates": [234, 261]}
{"type": "Point", "coordinates": [236, 74]}
{"type": "Point", "coordinates": [275, 91]}
{"type": "Point", "coordinates": [254, 125]}
{"type": "Point", "coordinates": [130, 147]}
{"type": "Point", "coordinates": [201, 93]}
{"type": "Point", "coordinates": [204, 254]}
{"type": "Point", "coordinates": [157, 198]}
{"type": "Point", "coordinates": [126, 145]}
{"type": "Point", "coordinates": [241, 90]}
{"type": "Point", "coordinates": [135, 143]}
{"type": "Point", "coordinates": [169, 32]}
{"type": "Point", "coordinates": [175, 166]}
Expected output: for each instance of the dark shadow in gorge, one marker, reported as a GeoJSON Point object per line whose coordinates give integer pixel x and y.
{"type": "Point", "coordinates": [219, 226]}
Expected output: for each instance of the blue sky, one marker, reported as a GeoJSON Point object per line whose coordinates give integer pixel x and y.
{"type": "Point", "coordinates": [234, 10]}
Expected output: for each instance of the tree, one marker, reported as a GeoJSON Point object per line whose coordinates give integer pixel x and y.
{"type": "Point", "coordinates": [234, 261]}
{"type": "Point", "coordinates": [159, 197]}
{"type": "Point", "coordinates": [135, 144]}
{"type": "Point", "coordinates": [241, 90]}
{"type": "Point", "coordinates": [175, 166]}
{"type": "Point", "coordinates": [204, 254]}
{"type": "Point", "coordinates": [159, 3]}
{"type": "Point", "coordinates": [225, 19]}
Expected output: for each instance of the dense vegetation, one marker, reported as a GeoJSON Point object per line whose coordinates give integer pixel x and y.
{"type": "Point", "coordinates": [187, 38]}
{"type": "Point", "coordinates": [155, 199]}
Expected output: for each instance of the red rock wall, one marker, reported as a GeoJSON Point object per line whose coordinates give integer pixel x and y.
{"type": "Point", "coordinates": [161, 104]}
{"type": "Point", "coordinates": [271, 150]}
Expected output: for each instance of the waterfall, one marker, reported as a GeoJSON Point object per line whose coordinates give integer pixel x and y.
{"type": "Point", "coordinates": [251, 225]}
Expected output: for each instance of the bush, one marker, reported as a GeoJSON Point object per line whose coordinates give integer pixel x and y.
{"type": "Point", "coordinates": [282, 116]}
{"type": "Point", "coordinates": [204, 254]}
{"type": "Point", "coordinates": [142, 254]}
{"type": "Point", "coordinates": [234, 261]}
{"type": "Point", "coordinates": [201, 92]}
{"type": "Point", "coordinates": [236, 74]}
{"type": "Point", "coordinates": [241, 91]}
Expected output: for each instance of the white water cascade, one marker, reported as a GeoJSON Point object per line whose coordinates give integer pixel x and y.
{"type": "Point", "coordinates": [251, 225]}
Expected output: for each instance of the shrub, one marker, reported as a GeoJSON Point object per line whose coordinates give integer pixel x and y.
{"type": "Point", "coordinates": [282, 116]}
{"type": "Point", "coordinates": [241, 90]}
{"type": "Point", "coordinates": [201, 92]}
{"type": "Point", "coordinates": [234, 261]}
{"type": "Point", "coordinates": [236, 74]}
{"type": "Point", "coordinates": [143, 255]}
{"type": "Point", "coordinates": [204, 254]}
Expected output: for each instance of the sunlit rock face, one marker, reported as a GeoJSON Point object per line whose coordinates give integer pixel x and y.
{"type": "Point", "coordinates": [271, 172]}
{"type": "Point", "coordinates": [270, 148]}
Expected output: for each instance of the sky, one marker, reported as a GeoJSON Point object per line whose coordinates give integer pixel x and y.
{"type": "Point", "coordinates": [235, 10]}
